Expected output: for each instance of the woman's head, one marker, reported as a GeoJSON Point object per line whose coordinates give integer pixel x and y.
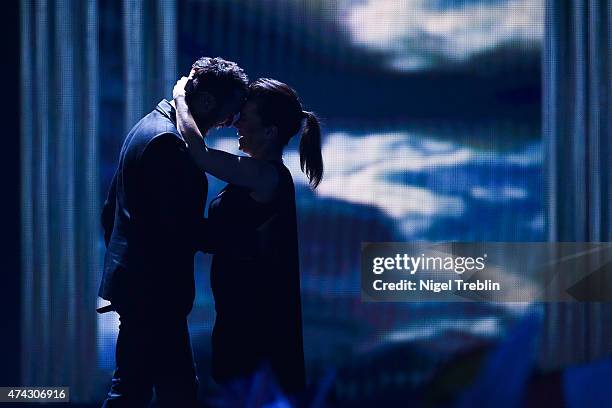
{"type": "Point", "coordinates": [271, 116]}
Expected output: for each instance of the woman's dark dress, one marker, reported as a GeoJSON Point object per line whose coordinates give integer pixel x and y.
{"type": "Point", "coordinates": [258, 301]}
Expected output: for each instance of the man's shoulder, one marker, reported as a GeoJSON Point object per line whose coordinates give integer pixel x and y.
{"type": "Point", "coordinates": [155, 124]}
{"type": "Point", "coordinates": [153, 132]}
{"type": "Point", "coordinates": [165, 144]}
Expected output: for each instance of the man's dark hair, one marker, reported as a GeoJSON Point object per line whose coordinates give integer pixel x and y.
{"type": "Point", "coordinates": [217, 90]}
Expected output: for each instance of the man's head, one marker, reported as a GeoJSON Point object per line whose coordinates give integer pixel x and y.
{"type": "Point", "coordinates": [216, 91]}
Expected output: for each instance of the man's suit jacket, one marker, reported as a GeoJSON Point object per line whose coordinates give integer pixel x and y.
{"type": "Point", "coordinates": [153, 220]}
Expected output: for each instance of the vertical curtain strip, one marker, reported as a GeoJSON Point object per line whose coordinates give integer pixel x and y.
{"type": "Point", "coordinates": [62, 172]}
{"type": "Point", "coordinates": [168, 43]}
{"type": "Point", "coordinates": [150, 62]}
{"type": "Point", "coordinates": [89, 244]}
{"type": "Point", "coordinates": [576, 128]}
{"type": "Point", "coordinates": [59, 177]}
{"type": "Point", "coordinates": [133, 61]}
{"type": "Point", "coordinates": [27, 183]}
{"type": "Point", "coordinates": [40, 196]}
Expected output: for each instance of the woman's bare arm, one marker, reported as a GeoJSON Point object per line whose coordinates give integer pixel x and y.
{"type": "Point", "coordinates": [257, 175]}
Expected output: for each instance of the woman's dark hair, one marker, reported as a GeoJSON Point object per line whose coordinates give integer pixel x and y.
{"type": "Point", "coordinates": [278, 105]}
{"type": "Point", "coordinates": [218, 89]}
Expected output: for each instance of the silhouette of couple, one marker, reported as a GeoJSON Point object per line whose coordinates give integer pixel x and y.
{"type": "Point", "coordinates": [153, 223]}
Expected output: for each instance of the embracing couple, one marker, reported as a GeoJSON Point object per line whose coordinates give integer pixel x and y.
{"type": "Point", "coordinates": [154, 223]}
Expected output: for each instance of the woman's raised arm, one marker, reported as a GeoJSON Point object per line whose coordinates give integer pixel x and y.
{"type": "Point", "coordinates": [257, 175]}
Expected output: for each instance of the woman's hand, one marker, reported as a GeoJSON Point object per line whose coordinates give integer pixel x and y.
{"type": "Point", "coordinates": [179, 88]}
{"type": "Point", "coordinates": [185, 122]}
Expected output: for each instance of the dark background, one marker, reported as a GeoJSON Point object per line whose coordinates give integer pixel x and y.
{"type": "Point", "coordinates": [10, 263]}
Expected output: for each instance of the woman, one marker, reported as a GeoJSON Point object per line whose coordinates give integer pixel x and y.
{"type": "Point", "coordinates": [258, 322]}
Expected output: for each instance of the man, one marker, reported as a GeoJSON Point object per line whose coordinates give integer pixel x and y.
{"type": "Point", "coordinates": [153, 223]}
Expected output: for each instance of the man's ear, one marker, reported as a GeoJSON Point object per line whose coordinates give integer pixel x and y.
{"type": "Point", "coordinates": [272, 131]}
{"type": "Point", "coordinates": [206, 102]}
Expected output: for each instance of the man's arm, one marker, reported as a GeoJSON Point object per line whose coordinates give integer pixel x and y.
{"type": "Point", "coordinates": [163, 190]}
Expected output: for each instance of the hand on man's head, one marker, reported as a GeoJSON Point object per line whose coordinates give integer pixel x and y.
{"type": "Point", "coordinates": [180, 87]}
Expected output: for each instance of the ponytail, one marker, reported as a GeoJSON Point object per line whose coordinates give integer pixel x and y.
{"type": "Point", "coordinates": [278, 104]}
{"type": "Point", "coordinates": [311, 161]}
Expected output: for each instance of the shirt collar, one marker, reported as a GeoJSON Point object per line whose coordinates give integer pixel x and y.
{"type": "Point", "coordinates": [165, 108]}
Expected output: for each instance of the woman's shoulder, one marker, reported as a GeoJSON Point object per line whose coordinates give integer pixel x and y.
{"type": "Point", "coordinates": [284, 184]}
{"type": "Point", "coordinates": [283, 173]}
